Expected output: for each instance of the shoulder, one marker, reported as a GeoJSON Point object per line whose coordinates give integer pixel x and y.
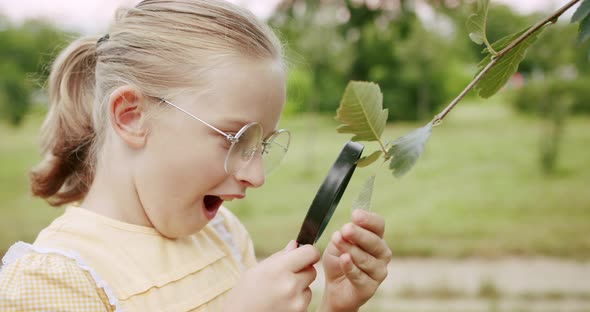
{"type": "Point", "coordinates": [33, 281]}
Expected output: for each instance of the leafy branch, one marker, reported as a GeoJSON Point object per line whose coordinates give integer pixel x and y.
{"type": "Point", "coordinates": [514, 54]}
{"type": "Point", "coordinates": [361, 109]}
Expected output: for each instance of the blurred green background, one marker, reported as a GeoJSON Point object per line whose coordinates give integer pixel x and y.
{"type": "Point", "coordinates": [505, 177]}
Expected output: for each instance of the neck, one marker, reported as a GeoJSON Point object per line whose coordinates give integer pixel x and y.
{"type": "Point", "coordinates": [113, 193]}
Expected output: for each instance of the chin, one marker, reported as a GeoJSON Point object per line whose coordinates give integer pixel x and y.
{"type": "Point", "coordinates": [180, 232]}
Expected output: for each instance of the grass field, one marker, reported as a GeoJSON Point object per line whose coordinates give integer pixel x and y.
{"type": "Point", "coordinates": [477, 191]}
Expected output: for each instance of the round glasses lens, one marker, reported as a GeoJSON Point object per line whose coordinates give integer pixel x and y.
{"type": "Point", "coordinates": [243, 150]}
{"type": "Point", "coordinates": [275, 149]}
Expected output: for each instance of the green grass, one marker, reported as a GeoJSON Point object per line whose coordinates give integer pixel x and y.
{"type": "Point", "coordinates": [21, 215]}
{"type": "Point", "coordinates": [477, 191]}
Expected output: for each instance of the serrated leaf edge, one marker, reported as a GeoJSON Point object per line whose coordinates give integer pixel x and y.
{"type": "Point", "coordinates": [377, 136]}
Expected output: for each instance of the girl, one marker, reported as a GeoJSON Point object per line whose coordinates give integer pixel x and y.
{"type": "Point", "coordinates": [150, 129]}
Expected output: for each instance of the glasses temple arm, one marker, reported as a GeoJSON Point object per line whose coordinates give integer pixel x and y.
{"type": "Point", "coordinates": [228, 136]}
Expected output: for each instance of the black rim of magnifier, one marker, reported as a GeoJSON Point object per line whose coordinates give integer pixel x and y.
{"type": "Point", "coordinates": [329, 194]}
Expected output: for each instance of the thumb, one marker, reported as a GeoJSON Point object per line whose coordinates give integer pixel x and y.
{"type": "Point", "coordinates": [291, 246]}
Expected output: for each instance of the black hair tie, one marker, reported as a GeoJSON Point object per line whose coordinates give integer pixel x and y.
{"type": "Point", "coordinates": [103, 39]}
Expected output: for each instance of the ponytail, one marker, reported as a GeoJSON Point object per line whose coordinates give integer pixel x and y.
{"type": "Point", "coordinates": [67, 134]}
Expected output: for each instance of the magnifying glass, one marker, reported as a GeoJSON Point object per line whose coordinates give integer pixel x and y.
{"type": "Point", "coordinates": [329, 194]}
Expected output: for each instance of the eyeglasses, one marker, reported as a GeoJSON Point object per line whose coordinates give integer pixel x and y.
{"type": "Point", "coordinates": [247, 142]}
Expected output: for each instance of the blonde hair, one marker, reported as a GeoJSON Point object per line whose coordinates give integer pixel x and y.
{"type": "Point", "coordinates": [157, 47]}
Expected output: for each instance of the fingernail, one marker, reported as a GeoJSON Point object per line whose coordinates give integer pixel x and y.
{"type": "Point", "coordinates": [291, 245]}
{"type": "Point", "coordinates": [360, 214]}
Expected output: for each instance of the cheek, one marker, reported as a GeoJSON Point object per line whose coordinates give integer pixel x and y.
{"type": "Point", "coordinates": [182, 167]}
{"type": "Point", "coordinates": [171, 181]}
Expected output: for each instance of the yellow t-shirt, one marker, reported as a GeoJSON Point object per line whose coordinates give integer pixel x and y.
{"type": "Point", "coordinates": [87, 262]}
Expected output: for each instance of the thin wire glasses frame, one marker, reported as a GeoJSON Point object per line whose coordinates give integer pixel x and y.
{"type": "Point", "coordinates": [262, 145]}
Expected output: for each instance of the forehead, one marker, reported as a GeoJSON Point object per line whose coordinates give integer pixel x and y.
{"type": "Point", "coordinates": [242, 91]}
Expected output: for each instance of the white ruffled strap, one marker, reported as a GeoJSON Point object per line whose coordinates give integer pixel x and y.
{"type": "Point", "coordinates": [218, 224]}
{"type": "Point", "coordinates": [16, 251]}
{"type": "Point", "coordinates": [20, 249]}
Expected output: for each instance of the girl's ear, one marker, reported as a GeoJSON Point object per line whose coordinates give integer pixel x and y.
{"type": "Point", "coordinates": [127, 113]}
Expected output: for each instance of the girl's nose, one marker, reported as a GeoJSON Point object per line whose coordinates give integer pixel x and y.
{"type": "Point", "coordinates": [252, 175]}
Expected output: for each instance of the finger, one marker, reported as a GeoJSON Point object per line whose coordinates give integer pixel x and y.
{"type": "Point", "coordinates": [300, 258]}
{"type": "Point", "coordinates": [291, 245]}
{"type": "Point", "coordinates": [306, 276]}
{"type": "Point", "coordinates": [356, 277]}
{"type": "Point", "coordinates": [331, 249]}
{"type": "Point", "coordinates": [308, 295]}
{"type": "Point", "coordinates": [375, 268]}
{"type": "Point", "coordinates": [366, 240]}
{"type": "Point", "coordinates": [370, 221]}
{"type": "Point", "coordinates": [305, 299]}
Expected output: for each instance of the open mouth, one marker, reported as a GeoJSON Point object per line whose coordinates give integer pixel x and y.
{"type": "Point", "coordinates": [212, 203]}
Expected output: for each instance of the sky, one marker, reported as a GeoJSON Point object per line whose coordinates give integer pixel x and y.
{"type": "Point", "coordinates": [93, 16]}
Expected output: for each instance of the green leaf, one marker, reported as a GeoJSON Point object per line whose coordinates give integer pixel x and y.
{"type": "Point", "coordinates": [584, 31]}
{"type": "Point", "coordinates": [504, 41]}
{"type": "Point", "coordinates": [501, 72]}
{"type": "Point", "coordinates": [367, 160]}
{"type": "Point", "coordinates": [582, 12]}
{"type": "Point", "coordinates": [406, 150]}
{"type": "Point", "coordinates": [582, 15]}
{"type": "Point", "coordinates": [363, 201]}
{"type": "Point", "coordinates": [361, 111]}
{"type": "Point", "coordinates": [476, 23]}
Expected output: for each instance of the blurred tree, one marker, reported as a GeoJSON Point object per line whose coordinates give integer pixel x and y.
{"type": "Point", "coordinates": [556, 86]}
{"type": "Point", "coordinates": [25, 51]}
{"type": "Point", "coordinates": [315, 49]}
{"type": "Point", "coordinates": [381, 41]}
{"type": "Point", "coordinates": [551, 58]}
{"type": "Point", "coordinates": [14, 93]}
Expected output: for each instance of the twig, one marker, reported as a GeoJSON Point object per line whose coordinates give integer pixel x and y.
{"type": "Point", "coordinates": [551, 19]}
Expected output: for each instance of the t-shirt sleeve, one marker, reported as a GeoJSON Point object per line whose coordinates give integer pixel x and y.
{"type": "Point", "coordinates": [49, 282]}
{"type": "Point", "coordinates": [241, 238]}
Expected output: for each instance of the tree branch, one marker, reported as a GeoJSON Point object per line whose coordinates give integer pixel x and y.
{"type": "Point", "coordinates": [551, 19]}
